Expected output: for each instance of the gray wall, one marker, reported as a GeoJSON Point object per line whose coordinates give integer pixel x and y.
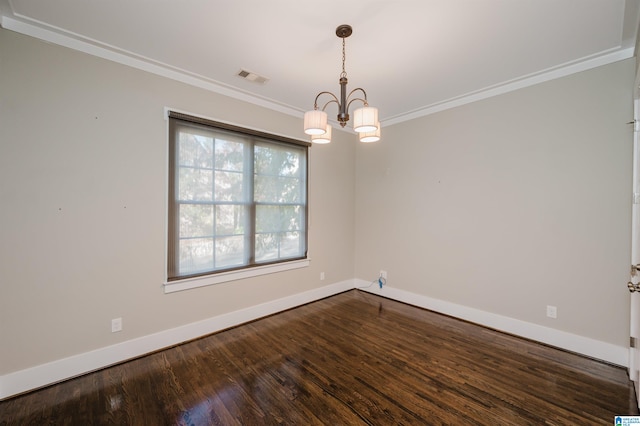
{"type": "Point", "coordinates": [83, 169]}
{"type": "Point", "coordinates": [504, 205]}
{"type": "Point", "coordinates": [510, 204]}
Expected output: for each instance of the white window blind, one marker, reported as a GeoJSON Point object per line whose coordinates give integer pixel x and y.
{"type": "Point", "coordinates": [237, 198]}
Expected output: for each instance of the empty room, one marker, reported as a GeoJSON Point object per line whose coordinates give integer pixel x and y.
{"type": "Point", "coordinates": [331, 213]}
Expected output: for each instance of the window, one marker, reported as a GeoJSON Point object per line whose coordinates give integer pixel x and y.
{"type": "Point", "coordinates": [237, 198]}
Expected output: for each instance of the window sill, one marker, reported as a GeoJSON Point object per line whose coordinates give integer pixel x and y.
{"type": "Point", "coordinates": [223, 277]}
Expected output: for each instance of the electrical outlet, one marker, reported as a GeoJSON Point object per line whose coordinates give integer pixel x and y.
{"type": "Point", "coordinates": [116, 325]}
{"type": "Point", "coordinates": [383, 274]}
{"type": "Point", "coordinates": [321, 276]}
{"type": "Point", "coordinates": [552, 311]}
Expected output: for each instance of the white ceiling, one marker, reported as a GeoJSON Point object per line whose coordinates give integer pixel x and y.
{"type": "Point", "coordinates": [412, 57]}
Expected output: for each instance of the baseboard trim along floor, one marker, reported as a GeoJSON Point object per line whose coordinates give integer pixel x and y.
{"type": "Point", "coordinates": [42, 375]}
{"type": "Point", "coordinates": [56, 371]}
{"type": "Point", "coordinates": [608, 352]}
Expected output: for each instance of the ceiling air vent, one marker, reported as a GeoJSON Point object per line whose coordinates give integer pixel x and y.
{"type": "Point", "coordinates": [253, 77]}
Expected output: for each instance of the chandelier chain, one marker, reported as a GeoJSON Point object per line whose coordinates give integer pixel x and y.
{"type": "Point", "coordinates": [344, 56]}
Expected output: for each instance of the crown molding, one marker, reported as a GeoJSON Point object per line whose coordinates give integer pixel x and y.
{"type": "Point", "coordinates": [77, 42]}
{"type": "Point", "coordinates": [563, 70]}
{"type": "Point", "coordinates": [112, 53]}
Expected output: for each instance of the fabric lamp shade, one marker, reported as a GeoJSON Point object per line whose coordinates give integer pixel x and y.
{"type": "Point", "coordinates": [323, 138]}
{"type": "Point", "coordinates": [365, 119]}
{"type": "Point", "coordinates": [373, 136]}
{"type": "Point", "coordinates": [315, 122]}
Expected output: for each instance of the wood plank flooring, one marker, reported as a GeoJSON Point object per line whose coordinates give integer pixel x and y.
{"type": "Point", "coordinates": [351, 359]}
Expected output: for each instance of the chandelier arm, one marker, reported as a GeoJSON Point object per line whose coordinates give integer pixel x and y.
{"type": "Point", "coordinates": [331, 101]}
{"type": "Point", "coordinates": [363, 92]}
{"type": "Point", "coordinates": [364, 101]}
{"type": "Point", "coordinates": [335, 99]}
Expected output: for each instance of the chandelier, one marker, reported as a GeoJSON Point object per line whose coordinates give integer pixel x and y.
{"type": "Point", "coordinates": [365, 119]}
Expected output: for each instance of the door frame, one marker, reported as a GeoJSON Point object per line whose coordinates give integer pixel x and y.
{"type": "Point", "coordinates": [634, 320]}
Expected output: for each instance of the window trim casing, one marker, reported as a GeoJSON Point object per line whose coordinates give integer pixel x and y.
{"type": "Point", "coordinates": [233, 275]}
{"type": "Point", "coordinates": [245, 271]}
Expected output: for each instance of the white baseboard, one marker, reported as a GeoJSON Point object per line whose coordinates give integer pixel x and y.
{"type": "Point", "coordinates": [608, 352]}
{"type": "Point", "coordinates": [52, 372]}
{"type": "Point", "coordinates": [45, 374]}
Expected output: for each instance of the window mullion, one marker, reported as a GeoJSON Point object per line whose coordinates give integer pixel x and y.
{"type": "Point", "coordinates": [250, 237]}
{"type": "Point", "coordinates": [214, 204]}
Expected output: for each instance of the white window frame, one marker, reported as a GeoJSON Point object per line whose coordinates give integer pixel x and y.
{"type": "Point", "coordinates": [217, 277]}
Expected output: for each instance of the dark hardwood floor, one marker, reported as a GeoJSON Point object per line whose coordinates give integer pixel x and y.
{"type": "Point", "coordinates": [350, 359]}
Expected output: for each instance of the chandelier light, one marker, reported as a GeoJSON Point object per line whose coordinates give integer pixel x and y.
{"type": "Point", "coordinates": [324, 137]}
{"type": "Point", "coordinates": [365, 119]}
{"type": "Point", "coordinates": [372, 136]}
